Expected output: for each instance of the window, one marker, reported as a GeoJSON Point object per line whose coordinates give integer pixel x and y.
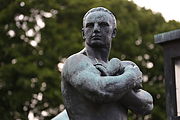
{"type": "Point", "coordinates": [177, 79]}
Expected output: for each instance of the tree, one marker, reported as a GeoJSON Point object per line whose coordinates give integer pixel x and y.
{"type": "Point", "coordinates": [36, 35]}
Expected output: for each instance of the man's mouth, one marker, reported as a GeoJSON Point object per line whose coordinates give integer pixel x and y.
{"type": "Point", "coordinates": [96, 37]}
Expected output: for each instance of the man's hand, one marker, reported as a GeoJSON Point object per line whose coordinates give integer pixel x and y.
{"type": "Point", "coordinates": [136, 74]}
{"type": "Point", "coordinates": [114, 67]}
{"type": "Point", "coordinates": [117, 67]}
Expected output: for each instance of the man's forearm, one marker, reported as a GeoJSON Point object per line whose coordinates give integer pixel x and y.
{"type": "Point", "coordinates": [106, 88]}
{"type": "Point", "coordinates": [88, 80]}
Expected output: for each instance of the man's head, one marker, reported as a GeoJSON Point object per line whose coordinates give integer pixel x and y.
{"type": "Point", "coordinates": [99, 27]}
{"type": "Point", "coordinates": [103, 10]}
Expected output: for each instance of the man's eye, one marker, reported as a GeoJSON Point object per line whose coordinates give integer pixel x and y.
{"type": "Point", "coordinates": [104, 24]}
{"type": "Point", "coordinates": [89, 25]}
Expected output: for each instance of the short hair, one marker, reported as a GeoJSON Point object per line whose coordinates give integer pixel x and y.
{"type": "Point", "coordinates": [100, 9]}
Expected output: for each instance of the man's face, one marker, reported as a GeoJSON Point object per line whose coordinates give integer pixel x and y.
{"type": "Point", "coordinates": [98, 29]}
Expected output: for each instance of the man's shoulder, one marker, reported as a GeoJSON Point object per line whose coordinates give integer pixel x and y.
{"type": "Point", "coordinates": [77, 62]}
{"type": "Point", "coordinates": [75, 58]}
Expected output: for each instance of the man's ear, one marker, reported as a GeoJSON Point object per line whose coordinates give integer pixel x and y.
{"type": "Point", "coordinates": [114, 33]}
{"type": "Point", "coordinates": [83, 34]}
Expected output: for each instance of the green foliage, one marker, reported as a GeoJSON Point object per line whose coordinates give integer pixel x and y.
{"type": "Point", "coordinates": [36, 35]}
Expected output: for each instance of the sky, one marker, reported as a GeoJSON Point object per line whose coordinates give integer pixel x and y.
{"type": "Point", "coordinates": [170, 9]}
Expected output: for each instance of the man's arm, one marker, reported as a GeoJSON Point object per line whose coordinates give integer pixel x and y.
{"type": "Point", "coordinates": [81, 74]}
{"type": "Point", "coordinates": [140, 102]}
{"type": "Point", "coordinates": [137, 100]}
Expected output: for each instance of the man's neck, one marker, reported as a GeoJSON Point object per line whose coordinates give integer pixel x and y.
{"type": "Point", "coordinates": [98, 54]}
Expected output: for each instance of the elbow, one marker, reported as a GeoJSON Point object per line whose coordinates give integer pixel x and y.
{"type": "Point", "coordinates": [147, 109]}
{"type": "Point", "coordinates": [144, 110]}
{"type": "Point", "coordinates": [148, 104]}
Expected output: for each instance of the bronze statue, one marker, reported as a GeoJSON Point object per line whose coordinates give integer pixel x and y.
{"type": "Point", "coordinates": [95, 88]}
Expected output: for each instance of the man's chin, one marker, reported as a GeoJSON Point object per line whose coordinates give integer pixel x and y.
{"type": "Point", "coordinates": [97, 44]}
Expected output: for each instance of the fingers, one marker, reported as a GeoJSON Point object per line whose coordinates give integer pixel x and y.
{"type": "Point", "coordinates": [114, 66]}
{"type": "Point", "coordinates": [138, 72]}
{"type": "Point", "coordinates": [126, 63]}
{"type": "Point", "coordinates": [136, 75]}
{"type": "Point", "coordinates": [101, 69]}
{"type": "Point", "coordinates": [134, 68]}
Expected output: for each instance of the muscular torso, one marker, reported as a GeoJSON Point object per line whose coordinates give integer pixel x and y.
{"type": "Point", "coordinates": [80, 107]}
{"type": "Point", "coordinates": [89, 98]}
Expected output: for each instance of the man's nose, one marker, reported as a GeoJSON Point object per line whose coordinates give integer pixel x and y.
{"type": "Point", "coordinates": [96, 27]}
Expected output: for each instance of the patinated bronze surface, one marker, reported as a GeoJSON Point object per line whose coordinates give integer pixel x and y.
{"type": "Point", "coordinates": [95, 88]}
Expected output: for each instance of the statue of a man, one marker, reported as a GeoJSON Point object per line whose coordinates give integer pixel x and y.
{"type": "Point", "coordinates": [95, 88]}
